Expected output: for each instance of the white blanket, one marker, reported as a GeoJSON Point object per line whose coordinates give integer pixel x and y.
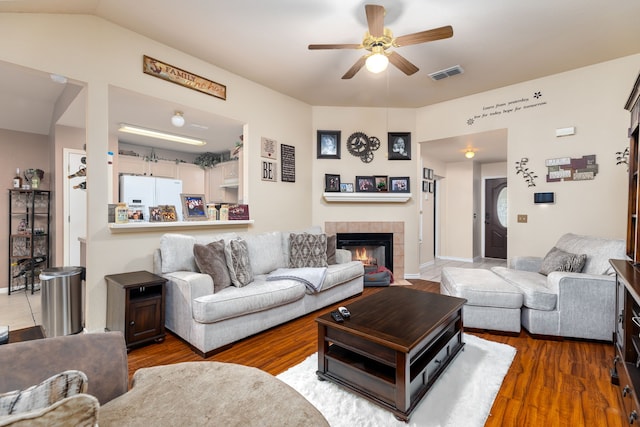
{"type": "Point", "coordinates": [312, 277]}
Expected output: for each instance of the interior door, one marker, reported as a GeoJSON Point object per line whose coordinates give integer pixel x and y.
{"type": "Point", "coordinates": [495, 220]}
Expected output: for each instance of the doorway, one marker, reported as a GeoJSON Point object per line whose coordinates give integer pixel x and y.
{"type": "Point", "coordinates": [495, 218]}
{"type": "Point", "coordinates": [75, 205]}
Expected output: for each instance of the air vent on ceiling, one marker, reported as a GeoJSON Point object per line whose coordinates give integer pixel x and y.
{"type": "Point", "coordinates": [449, 72]}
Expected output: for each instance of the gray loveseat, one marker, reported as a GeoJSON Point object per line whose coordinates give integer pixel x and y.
{"type": "Point", "coordinates": [567, 304]}
{"type": "Point", "coordinates": [209, 318]}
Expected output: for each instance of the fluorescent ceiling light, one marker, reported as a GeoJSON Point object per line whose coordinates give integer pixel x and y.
{"type": "Point", "coordinates": [136, 130]}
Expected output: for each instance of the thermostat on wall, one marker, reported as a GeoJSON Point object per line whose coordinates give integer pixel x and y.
{"type": "Point", "coordinates": [539, 198]}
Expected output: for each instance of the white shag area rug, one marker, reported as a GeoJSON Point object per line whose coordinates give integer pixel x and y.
{"type": "Point", "coordinates": [462, 396]}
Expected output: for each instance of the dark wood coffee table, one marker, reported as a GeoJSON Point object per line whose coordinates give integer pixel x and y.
{"type": "Point", "coordinates": [397, 342]}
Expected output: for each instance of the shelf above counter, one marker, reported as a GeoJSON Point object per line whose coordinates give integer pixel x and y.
{"type": "Point", "coordinates": [367, 197]}
{"type": "Point", "coordinates": [131, 227]}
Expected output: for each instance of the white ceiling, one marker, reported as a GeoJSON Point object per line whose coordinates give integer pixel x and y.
{"type": "Point", "coordinates": [496, 42]}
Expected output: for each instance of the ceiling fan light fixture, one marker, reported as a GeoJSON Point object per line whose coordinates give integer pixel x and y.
{"type": "Point", "coordinates": [377, 62]}
{"type": "Point", "coordinates": [178, 119]}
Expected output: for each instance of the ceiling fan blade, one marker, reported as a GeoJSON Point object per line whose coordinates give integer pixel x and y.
{"type": "Point", "coordinates": [355, 68]}
{"type": "Point", "coordinates": [402, 63]}
{"type": "Point", "coordinates": [334, 46]}
{"type": "Point", "coordinates": [375, 19]}
{"type": "Point", "coordinates": [425, 36]}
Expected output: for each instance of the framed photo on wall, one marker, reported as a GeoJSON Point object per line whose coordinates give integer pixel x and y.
{"type": "Point", "coordinates": [399, 145]}
{"type": "Point", "coordinates": [427, 174]}
{"type": "Point", "coordinates": [365, 184]}
{"type": "Point", "coordinates": [331, 183]}
{"type": "Point", "coordinates": [399, 184]}
{"type": "Point", "coordinates": [193, 207]}
{"type": "Point", "coordinates": [328, 144]}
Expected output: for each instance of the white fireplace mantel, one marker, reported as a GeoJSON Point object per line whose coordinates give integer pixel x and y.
{"type": "Point", "coordinates": [367, 197]}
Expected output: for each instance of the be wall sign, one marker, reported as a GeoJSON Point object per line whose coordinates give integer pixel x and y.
{"type": "Point", "coordinates": [269, 171]}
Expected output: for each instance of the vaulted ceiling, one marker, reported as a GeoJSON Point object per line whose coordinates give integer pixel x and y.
{"type": "Point", "coordinates": [496, 42]}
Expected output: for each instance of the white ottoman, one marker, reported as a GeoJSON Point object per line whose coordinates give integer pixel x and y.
{"type": "Point", "coordinates": [492, 303]}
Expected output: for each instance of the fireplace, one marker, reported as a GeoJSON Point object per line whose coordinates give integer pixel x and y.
{"type": "Point", "coordinates": [394, 227]}
{"type": "Point", "coordinates": [373, 249]}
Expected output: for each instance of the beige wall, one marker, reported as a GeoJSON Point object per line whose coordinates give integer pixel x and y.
{"type": "Point", "coordinates": [457, 224]}
{"type": "Point", "coordinates": [591, 99]}
{"type": "Point", "coordinates": [19, 150]}
{"type": "Point", "coordinates": [373, 122]}
{"type": "Point", "coordinates": [77, 46]}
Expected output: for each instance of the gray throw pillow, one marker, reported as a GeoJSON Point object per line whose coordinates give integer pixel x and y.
{"type": "Point", "coordinates": [307, 250]}
{"type": "Point", "coordinates": [237, 256]}
{"type": "Point", "coordinates": [559, 260]}
{"type": "Point", "coordinates": [211, 260]}
{"type": "Point", "coordinates": [331, 249]}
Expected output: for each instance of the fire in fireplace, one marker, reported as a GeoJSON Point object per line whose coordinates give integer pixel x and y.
{"type": "Point", "coordinates": [373, 249]}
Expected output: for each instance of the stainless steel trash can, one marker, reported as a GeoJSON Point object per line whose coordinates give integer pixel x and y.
{"type": "Point", "coordinates": [62, 300]}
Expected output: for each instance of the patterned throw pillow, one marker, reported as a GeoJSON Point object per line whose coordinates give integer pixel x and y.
{"type": "Point", "coordinates": [237, 256]}
{"type": "Point", "coordinates": [307, 250]}
{"type": "Point", "coordinates": [331, 249]}
{"type": "Point", "coordinates": [559, 260]}
{"type": "Point", "coordinates": [211, 260]}
{"type": "Point", "coordinates": [80, 410]}
{"type": "Point", "coordinates": [51, 390]}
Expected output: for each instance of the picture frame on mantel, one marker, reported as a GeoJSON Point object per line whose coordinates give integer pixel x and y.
{"type": "Point", "coordinates": [331, 183]}
{"type": "Point", "coordinates": [399, 184]}
{"type": "Point", "coordinates": [399, 145]}
{"type": "Point", "coordinates": [365, 184]}
{"type": "Point", "coordinates": [346, 187]}
{"type": "Point", "coordinates": [328, 144]}
{"type": "Point", "coordinates": [381, 183]}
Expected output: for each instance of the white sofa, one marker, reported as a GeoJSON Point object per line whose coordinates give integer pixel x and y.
{"type": "Point", "coordinates": [568, 304]}
{"type": "Point", "coordinates": [209, 320]}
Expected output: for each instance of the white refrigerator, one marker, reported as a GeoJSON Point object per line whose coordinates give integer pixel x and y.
{"type": "Point", "coordinates": [150, 191]}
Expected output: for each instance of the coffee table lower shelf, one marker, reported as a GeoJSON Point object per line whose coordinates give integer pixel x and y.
{"type": "Point", "coordinates": [380, 382]}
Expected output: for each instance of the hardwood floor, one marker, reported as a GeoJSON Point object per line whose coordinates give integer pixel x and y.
{"type": "Point", "coordinates": [550, 383]}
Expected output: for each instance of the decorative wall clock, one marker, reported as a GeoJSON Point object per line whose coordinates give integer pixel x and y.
{"type": "Point", "coordinates": [363, 146]}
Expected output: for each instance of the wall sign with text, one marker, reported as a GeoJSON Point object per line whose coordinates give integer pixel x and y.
{"type": "Point", "coordinates": [287, 163]}
{"type": "Point", "coordinates": [568, 169]}
{"type": "Point", "coordinates": [269, 171]}
{"type": "Point", "coordinates": [268, 148]}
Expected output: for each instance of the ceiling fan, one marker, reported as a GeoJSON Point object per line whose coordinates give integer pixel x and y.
{"type": "Point", "coordinates": [378, 39]}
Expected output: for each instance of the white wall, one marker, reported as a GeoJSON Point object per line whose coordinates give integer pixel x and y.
{"type": "Point", "coordinates": [591, 99]}
{"type": "Point", "coordinates": [90, 50]}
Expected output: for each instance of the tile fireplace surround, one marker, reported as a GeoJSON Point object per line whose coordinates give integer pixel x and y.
{"type": "Point", "coordinates": [395, 227]}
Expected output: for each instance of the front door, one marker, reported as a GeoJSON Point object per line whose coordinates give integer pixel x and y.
{"type": "Point", "coordinates": [495, 218]}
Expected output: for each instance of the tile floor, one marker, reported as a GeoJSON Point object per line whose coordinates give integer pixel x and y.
{"type": "Point", "coordinates": [22, 310]}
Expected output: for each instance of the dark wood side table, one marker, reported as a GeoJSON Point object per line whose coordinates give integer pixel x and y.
{"type": "Point", "coordinates": [135, 306]}
{"type": "Point", "coordinates": [26, 334]}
